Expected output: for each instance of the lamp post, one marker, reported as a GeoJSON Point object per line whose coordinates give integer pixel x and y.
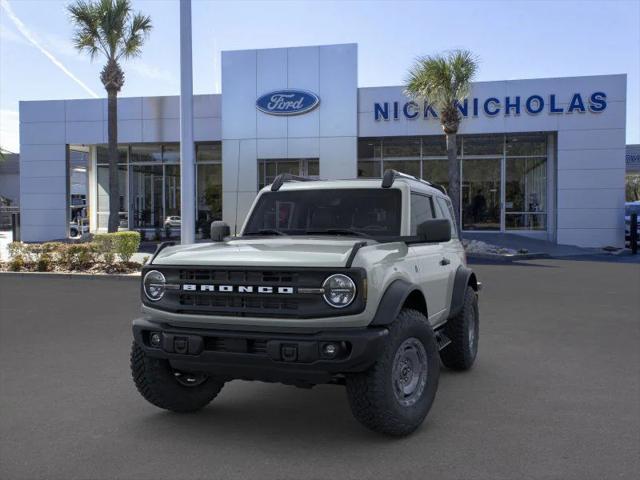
{"type": "Point", "coordinates": [187, 148]}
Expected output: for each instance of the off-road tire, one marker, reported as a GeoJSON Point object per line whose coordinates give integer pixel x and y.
{"type": "Point", "coordinates": [156, 382]}
{"type": "Point", "coordinates": [461, 353]}
{"type": "Point", "coordinates": [371, 393]}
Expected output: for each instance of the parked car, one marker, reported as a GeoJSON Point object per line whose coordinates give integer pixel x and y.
{"type": "Point", "coordinates": [360, 283]}
{"type": "Point", "coordinates": [629, 208]}
{"type": "Point", "coordinates": [75, 230]}
{"type": "Point", "coordinates": [172, 222]}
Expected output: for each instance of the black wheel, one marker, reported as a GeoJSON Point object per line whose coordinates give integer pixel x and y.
{"type": "Point", "coordinates": [396, 393]}
{"type": "Point", "coordinates": [170, 389]}
{"type": "Point", "coordinates": [463, 332]}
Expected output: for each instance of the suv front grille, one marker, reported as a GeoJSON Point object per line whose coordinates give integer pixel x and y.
{"type": "Point", "coordinates": [274, 303]}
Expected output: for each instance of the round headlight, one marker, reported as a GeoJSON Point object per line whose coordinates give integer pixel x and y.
{"type": "Point", "coordinates": [339, 290]}
{"type": "Point", "coordinates": [153, 285]}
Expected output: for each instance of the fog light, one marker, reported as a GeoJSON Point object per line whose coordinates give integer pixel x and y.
{"type": "Point", "coordinates": [155, 339]}
{"type": "Point", "coordinates": [330, 349]}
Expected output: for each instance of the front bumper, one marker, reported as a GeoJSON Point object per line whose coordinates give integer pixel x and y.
{"type": "Point", "coordinates": [286, 357]}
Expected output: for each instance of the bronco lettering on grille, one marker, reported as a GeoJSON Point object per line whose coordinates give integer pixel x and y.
{"type": "Point", "coordinates": [192, 287]}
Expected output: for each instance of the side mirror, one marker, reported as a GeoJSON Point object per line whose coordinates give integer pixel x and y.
{"type": "Point", "coordinates": [434, 231]}
{"type": "Point", "coordinates": [219, 230]}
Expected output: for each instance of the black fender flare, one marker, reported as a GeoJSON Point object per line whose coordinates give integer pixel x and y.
{"type": "Point", "coordinates": [464, 277]}
{"type": "Point", "coordinates": [392, 301]}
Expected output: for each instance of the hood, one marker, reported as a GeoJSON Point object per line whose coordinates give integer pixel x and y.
{"type": "Point", "coordinates": [276, 252]}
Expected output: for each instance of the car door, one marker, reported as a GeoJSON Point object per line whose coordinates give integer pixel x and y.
{"type": "Point", "coordinates": [431, 273]}
{"type": "Point", "coordinates": [453, 251]}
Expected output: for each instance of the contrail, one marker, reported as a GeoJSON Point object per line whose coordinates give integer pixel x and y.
{"type": "Point", "coordinates": [31, 38]}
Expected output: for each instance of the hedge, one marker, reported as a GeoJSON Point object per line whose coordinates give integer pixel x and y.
{"type": "Point", "coordinates": [45, 257]}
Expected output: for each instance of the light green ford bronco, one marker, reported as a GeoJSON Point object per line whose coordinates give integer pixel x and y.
{"type": "Point", "coordinates": [361, 283]}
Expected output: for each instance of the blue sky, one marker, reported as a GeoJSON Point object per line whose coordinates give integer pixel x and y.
{"type": "Point", "coordinates": [512, 39]}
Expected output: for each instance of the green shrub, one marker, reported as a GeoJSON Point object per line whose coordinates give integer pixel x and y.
{"type": "Point", "coordinates": [16, 263]}
{"type": "Point", "coordinates": [78, 256]}
{"type": "Point", "coordinates": [105, 244]}
{"type": "Point", "coordinates": [17, 249]}
{"type": "Point", "coordinates": [126, 244]}
{"type": "Point", "coordinates": [44, 263]}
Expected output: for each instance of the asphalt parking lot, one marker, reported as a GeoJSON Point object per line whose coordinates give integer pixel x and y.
{"type": "Point", "coordinates": [555, 393]}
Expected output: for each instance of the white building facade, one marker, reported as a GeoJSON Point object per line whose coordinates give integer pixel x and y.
{"type": "Point", "coordinates": [541, 157]}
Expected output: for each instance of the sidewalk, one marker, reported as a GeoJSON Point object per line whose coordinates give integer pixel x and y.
{"type": "Point", "coordinates": [532, 245]}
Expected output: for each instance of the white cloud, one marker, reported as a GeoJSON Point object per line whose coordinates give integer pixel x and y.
{"type": "Point", "coordinates": [9, 130]}
{"type": "Point", "coordinates": [31, 37]}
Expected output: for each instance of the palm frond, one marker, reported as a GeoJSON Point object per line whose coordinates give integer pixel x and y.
{"type": "Point", "coordinates": [85, 16]}
{"type": "Point", "coordinates": [442, 80]}
{"type": "Point", "coordinates": [109, 27]}
{"type": "Point", "coordinates": [139, 28]}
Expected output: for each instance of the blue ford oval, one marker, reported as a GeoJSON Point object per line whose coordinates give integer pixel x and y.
{"type": "Point", "coordinates": [287, 102]}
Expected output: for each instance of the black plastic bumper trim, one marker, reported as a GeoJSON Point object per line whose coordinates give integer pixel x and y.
{"type": "Point", "coordinates": [295, 358]}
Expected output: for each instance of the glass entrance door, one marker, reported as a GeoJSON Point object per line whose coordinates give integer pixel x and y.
{"type": "Point", "coordinates": [525, 202]}
{"type": "Point", "coordinates": [481, 194]}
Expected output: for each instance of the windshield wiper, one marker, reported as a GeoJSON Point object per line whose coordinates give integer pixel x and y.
{"type": "Point", "coordinates": [338, 231]}
{"type": "Point", "coordinates": [266, 231]}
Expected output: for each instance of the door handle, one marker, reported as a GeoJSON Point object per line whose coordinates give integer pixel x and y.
{"type": "Point", "coordinates": [445, 261]}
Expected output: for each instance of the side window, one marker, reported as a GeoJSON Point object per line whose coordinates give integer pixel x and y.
{"type": "Point", "coordinates": [421, 210]}
{"type": "Point", "coordinates": [445, 210]}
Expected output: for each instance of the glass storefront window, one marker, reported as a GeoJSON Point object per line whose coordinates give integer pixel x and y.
{"type": "Point", "coordinates": [526, 144]}
{"type": "Point", "coordinates": [146, 193]}
{"type": "Point", "coordinates": [525, 187]}
{"type": "Point", "coordinates": [209, 152]}
{"type": "Point", "coordinates": [435, 146]}
{"type": "Point", "coordinates": [481, 194]}
{"type": "Point", "coordinates": [172, 191]}
{"type": "Point", "coordinates": [208, 196]}
{"type": "Point", "coordinates": [483, 145]}
{"type": "Point", "coordinates": [146, 152]}
{"type": "Point", "coordinates": [102, 154]}
{"type": "Point", "coordinates": [369, 169]}
{"type": "Point", "coordinates": [103, 196]}
{"type": "Point", "coordinates": [401, 147]}
{"type": "Point", "coordinates": [436, 171]}
{"type": "Point", "coordinates": [410, 167]}
{"type": "Point", "coordinates": [171, 153]}
{"type": "Point", "coordinates": [369, 148]}
{"type": "Point", "coordinates": [269, 169]}
{"type": "Point", "coordinates": [154, 184]}
{"type": "Point", "coordinates": [526, 193]}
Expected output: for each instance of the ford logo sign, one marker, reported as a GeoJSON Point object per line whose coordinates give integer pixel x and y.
{"type": "Point", "coordinates": [287, 102]}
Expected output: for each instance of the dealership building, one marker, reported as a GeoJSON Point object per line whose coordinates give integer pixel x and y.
{"type": "Point", "coordinates": [543, 158]}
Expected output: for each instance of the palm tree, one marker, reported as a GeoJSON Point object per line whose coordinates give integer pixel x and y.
{"type": "Point", "coordinates": [444, 81]}
{"type": "Point", "coordinates": [112, 29]}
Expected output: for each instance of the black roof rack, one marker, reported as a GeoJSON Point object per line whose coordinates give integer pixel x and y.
{"type": "Point", "coordinates": [391, 175]}
{"type": "Point", "coordinates": [288, 177]}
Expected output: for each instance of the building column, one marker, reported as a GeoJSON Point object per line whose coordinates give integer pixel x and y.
{"type": "Point", "coordinates": [187, 148]}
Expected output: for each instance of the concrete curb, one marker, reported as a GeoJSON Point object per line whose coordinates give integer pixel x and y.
{"type": "Point", "coordinates": [83, 276]}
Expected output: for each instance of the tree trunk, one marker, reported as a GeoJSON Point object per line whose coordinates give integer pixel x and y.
{"type": "Point", "coordinates": [454, 177]}
{"type": "Point", "coordinates": [114, 186]}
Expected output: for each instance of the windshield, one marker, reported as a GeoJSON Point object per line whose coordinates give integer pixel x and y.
{"type": "Point", "coordinates": [371, 212]}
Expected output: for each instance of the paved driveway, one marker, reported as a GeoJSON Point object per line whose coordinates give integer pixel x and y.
{"type": "Point", "coordinates": [555, 393]}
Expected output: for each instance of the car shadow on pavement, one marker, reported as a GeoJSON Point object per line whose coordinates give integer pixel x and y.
{"type": "Point", "coordinates": [262, 412]}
